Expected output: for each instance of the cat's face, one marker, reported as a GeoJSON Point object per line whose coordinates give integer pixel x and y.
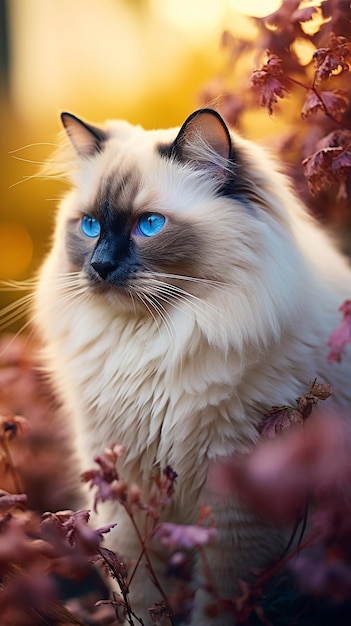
{"type": "Point", "coordinates": [160, 220]}
{"type": "Point", "coordinates": [129, 232]}
{"type": "Point", "coordinates": [157, 212]}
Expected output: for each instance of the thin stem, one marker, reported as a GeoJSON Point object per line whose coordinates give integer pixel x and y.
{"type": "Point", "coordinates": [124, 593]}
{"type": "Point", "coordinates": [269, 573]}
{"type": "Point", "coordinates": [148, 533]}
{"type": "Point", "coordinates": [136, 566]}
{"type": "Point", "coordinates": [211, 587]}
{"type": "Point", "coordinates": [13, 471]}
{"type": "Point", "coordinates": [318, 95]}
{"type": "Point", "coordinates": [255, 591]}
{"type": "Point", "coordinates": [148, 561]}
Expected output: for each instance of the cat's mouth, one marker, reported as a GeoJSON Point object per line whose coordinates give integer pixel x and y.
{"type": "Point", "coordinates": [150, 292]}
{"type": "Point", "coordinates": [122, 295]}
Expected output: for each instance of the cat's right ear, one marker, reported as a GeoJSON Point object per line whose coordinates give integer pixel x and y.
{"type": "Point", "coordinates": [86, 139]}
{"type": "Point", "coordinates": [205, 141]}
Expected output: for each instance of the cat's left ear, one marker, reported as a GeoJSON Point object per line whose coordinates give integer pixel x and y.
{"type": "Point", "coordinates": [204, 139]}
{"type": "Point", "coordinates": [86, 139]}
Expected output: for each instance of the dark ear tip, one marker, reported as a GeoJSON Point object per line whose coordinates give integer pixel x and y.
{"type": "Point", "coordinates": [206, 111]}
{"type": "Point", "coordinates": [65, 117]}
{"type": "Point", "coordinates": [211, 126]}
{"type": "Point", "coordinates": [210, 112]}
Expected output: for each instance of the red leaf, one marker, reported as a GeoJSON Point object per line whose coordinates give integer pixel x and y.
{"type": "Point", "coordinates": [284, 15]}
{"type": "Point", "coordinates": [341, 336]}
{"type": "Point", "coordinates": [335, 102]}
{"type": "Point", "coordinates": [268, 81]}
{"type": "Point", "coordinates": [336, 139]}
{"type": "Point", "coordinates": [282, 417]}
{"type": "Point", "coordinates": [303, 15]}
{"type": "Point", "coordinates": [328, 166]}
{"type": "Point", "coordinates": [158, 612]}
{"type": "Point", "coordinates": [278, 419]}
{"type": "Point", "coordinates": [331, 59]}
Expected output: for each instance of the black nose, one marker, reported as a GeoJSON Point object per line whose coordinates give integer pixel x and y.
{"type": "Point", "coordinates": [103, 268]}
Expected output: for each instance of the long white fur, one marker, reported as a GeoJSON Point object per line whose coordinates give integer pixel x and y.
{"type": "Point", "coordinates": [193, 388]}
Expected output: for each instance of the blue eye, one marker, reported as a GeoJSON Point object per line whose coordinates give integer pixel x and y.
{"type": "Point", "coordinates": [90, 226]}
{"type": "Point", "coordinates": [150, 223]}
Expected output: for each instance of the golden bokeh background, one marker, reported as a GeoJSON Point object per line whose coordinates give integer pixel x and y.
{"type": "Point", "coordinates": [143, 60]}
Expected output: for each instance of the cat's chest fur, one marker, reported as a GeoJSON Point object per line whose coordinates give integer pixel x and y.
{"type": "Point", "coordinates": [163, 393]}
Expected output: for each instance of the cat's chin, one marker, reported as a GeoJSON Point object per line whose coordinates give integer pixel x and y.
{"type": "Point", "coordinates": [120, 299]}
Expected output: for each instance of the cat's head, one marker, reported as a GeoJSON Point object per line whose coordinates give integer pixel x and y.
{"type": "Point", "coordinates": [146, 212]}
{"type": "Point", "coordinates": [190, 218]}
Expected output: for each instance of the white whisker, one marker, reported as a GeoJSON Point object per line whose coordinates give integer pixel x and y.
{"type": "Point", "coordinates": [68, 285]}
{"type": "Point", "coordinates": [28, 160]}
{"type": "Point", "coordinates": [195, 305]}
{"type": "Point", "coordinates": [204, 281]}
{"type": "Point", "coordinates": [141, 298]}
{"type": "Point", "coordinates": [34, 145]}
{"type": "Point", "coordinates": [41, 177]}
{"type": "Point", "coordinates": [14, 312]}
{"type": "Point", "coordinates": [161, 311]}
{"type": "Point", "coordinates": [191, 308]}
{"type": "Point", "coordinates": [130, 293]}
{"type": "Point", "coordinates": [12, 285]}
{"type": "Point", "coordinates": [15, 335]}
{"type": "Point", "coordinates": [154, 299]}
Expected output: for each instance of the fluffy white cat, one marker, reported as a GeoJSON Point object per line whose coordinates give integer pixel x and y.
{"type": "Point", "coordinates": [186, 292]}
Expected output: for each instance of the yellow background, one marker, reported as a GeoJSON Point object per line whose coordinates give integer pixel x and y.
{"type": "Point", "coordinates": [143, 60]}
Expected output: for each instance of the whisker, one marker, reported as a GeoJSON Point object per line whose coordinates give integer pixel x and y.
{"type": "Point", "coordinates": [145, 298]}
{"type": "Point", "coordinates": [68, 287]}
{"type": "Point", "coordinates": [130, 293]}
{"type": "Point", "coordinates": [195, 304]}
{"type": "Point", "coordinates": [12, 285]}
{"type": "Point", "coordinates": [172, 299]}
{"type": "Point", "coordinates": [14, 311]}
{"type": "Point", "coordinates": [40, 176]}
{"type": "Point", "coordinates": [15, 335]}
{"type": "Point", "coordinates": [174, 289]}
{"type": "Point", "coordinates": [168, 324]}
{"type": "Point", "coordinates": [33, 145]}
{"type": "Point", "coordinates": [141, 298]}
{"type": "Point", "coordinates": [29, 283]}
{"type": "Point", "coordinates": [28, 160]}
{"type": "Point", "coordinates": [206, 281]}
{"type": "Point", "coordinates": [186, 295]}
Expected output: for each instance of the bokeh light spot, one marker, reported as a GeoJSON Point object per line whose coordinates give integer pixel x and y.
{"type": "Point", "coordinates": [16, 250]}
{"type": "Point", "coordinates": [256, 8]}
{"type": "Point", "coordinates": [304, 49]}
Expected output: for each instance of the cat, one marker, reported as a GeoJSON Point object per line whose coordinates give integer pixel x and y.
{"type": "Point", "coordinates": [186, 292]}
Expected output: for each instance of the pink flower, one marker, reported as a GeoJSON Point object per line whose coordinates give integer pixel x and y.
{"type": "Point", "coordinates": [183, 537]}
{"type": "Point", "coordinates": [279, 475]}
{"type": "Point", "coordinates": [341, 336]}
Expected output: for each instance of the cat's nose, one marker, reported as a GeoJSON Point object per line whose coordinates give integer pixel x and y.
{"type": "Point", "coordinates": [103, 268]}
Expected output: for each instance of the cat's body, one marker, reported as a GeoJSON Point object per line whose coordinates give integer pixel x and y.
{"type": "Point", "coordinates": [177, 331]}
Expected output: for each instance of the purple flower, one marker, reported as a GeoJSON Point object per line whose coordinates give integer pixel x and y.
{"type": "Point", "coordinates": [183, 537]}
{"type": "Point", "coordinates": [341, 336]}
